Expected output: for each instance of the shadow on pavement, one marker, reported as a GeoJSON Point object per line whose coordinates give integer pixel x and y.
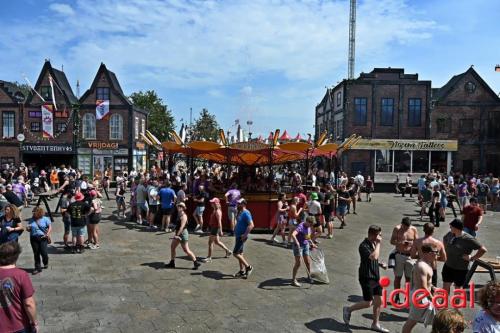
{"type": "Point", "coordinates": [215, 275]}
{"type": "Point", "coordinates": [276, 283]}
{"type": "Point", "coordinates": [330, 325]}
{"type": "Point", "coordinates": [155, 264]}
{"type": "Point", "coordinates": [385, 317]}
{"type": "Point", "coordinates": [269, 242]}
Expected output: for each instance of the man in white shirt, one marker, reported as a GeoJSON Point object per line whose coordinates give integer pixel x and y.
{"type": "Point", "coordinates": [359, 180]}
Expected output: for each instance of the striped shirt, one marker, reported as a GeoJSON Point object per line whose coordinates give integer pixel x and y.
{"type": "Point", "coordinates": [368, 268]}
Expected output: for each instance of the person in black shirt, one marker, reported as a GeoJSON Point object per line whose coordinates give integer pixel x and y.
{"type": "Point", "coordinates": [12, 197]}
{"type": "Point", "coordinates": [78, 212]}
{"type": "Point", "coordinates": [369, 276]}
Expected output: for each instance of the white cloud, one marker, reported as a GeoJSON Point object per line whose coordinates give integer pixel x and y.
{"type": "Point", "coordinates": [246, 91]}
{"type": "Point", "coordinates": [62, 9]}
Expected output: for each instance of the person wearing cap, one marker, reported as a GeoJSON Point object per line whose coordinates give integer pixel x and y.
{"type": "Point", "coordinates": [181, 237]}
{"type": "Point", "coordinates": [78, 212]}
{"type": "Point", "coordinates": [403, 236]}
{"type": "Point", "coordinates": [459, 246]}
{"type": "Point", "coordinates": [40, 228]}
{"type": "Point", "coordinates": [215, 224]}
{"type": "Point", "coordinates": [244, 224]}
{"type": "Point", "coordinates": [94, 219]}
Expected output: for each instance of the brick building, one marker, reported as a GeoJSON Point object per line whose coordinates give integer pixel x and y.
{"type": "Point", "coordinates": [11, 100]}
{"type": "Point", "coordinates": [114, 141]}
{"type": "Point", "coordinates": [59, 149]}
{"type": "Point", "coordinates": [468, 110]}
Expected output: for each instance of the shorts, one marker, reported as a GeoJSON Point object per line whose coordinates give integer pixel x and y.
{"type": "Point", "coordinates": [78, 231]}
{"type": "Point", "coordinates": [370, 288]}
{"type": "Point", "coordinates": [184, 236]}
{"type": "Point", "coordinates": [292, 222]}
{"type": "Point", "coordinates": [481, 200]}
{"type": "Point", "coordinates": [232, 212]}
{"type": "Point", "coordinates": [456, 276]}
{"type": "Point", "coordinates": [327, 214]}
{"type": "Point", "coordinates": [341, 210]}
{"type": "Point", "coordinates": [67, 226]}
{"type": "Point", "coordinates": [214, 231]}
{"type": "Point", "coordinates": [404, 265]}
{"type": "Point", "coordinates": [143, 206]}
{"type": "Point", "coordinates": [95, 218]}
{"type": "Point", "coordinates": [303, 251]}
{"type": "Point", "coordinates": [120, 201]}
{"type": "Point", "coordinates": [199, 210]}
{"type": "Point", "coordinates": [167, 211]}
{"type": "Point", "coordinates": [238, 245]}
{"type": "Point", "coordinates": [153, 209]}
{"type": "Point", "coordinates": [282, 220]}
{"type": "Point", "coordinates": [424, 316]}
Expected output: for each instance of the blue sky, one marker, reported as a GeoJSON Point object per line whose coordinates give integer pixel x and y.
{"type": "Point", "coordinates": [265, 61]}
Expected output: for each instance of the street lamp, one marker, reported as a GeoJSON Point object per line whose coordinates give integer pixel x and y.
{"type": "Point", "coordinates": [249, 123]}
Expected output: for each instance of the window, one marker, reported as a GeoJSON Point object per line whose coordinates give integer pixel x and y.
{"type": "Point", "coordinates": [387, 112]}
{"type": "Point", "coordinates": [360, 112]}
{"type": "Point", "coordinates": [36, 126]}
{"type": "Point", "coordinates": [143, 126]}
{"type": "Point", "coordinates": [102, 93]}
{"type": "Point", "coordinates": [46, 93]}
{"type": "Point", "coordinates": [443, 125]}
{"type": "Point", "coordinates": [402, 161]}
{"type": "Point", "coordinates": [384, 160]}
{"type": "Point", "coordinates": [61, 114]}
{"type": "Point", "coordinates": [339, 98]}
{"type": "Point", "coordinates": [116, 127]}
{"type": "Point", "coordinates": [358, 167]}
{"type": "Point", "coordinates": [466, 126]}
{"type": "Point", "coordinates": [136, 132]}
{"type": "Point", "coordinates": [7, 160]}
{"type": "Point", "coordinates": [439, 161]}
{"type": "Point", "coordinates": [494, 125]}
{"type": "Point", "coordinates": [35, 114]}
{"type": "Point", "coordinates": [420, 161]}
{"type": "Point", "coordinates": [61, 127]}
{"type": "Point", "coordinates": [414, 112]}
{"type": "Point", "coordinates": [88, 126]}
{"type": "Point", "coordinates": [8, 127]}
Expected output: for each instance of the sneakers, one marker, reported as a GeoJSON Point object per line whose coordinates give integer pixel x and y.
{"type": "Point", "coordinates": [197, 264]}
{"type": "Point", "coordinates": [197, 230]}
{"type": "Point", "coordinates": [329, 236]}
{"type": "Point", "coordinates": [207, 259]}
{"type": "Point", "coordinates": [295, 283]}
{"type": "Point", "coordinates": [239, 274]}
{"type": "Point", "coordinates": [346, 315]}
{"type": "Point", "coordinates": [171, 264]}
{"type": "Point", "coordinates": [275, 241]}
{"type": "Point", "coordinates": [248, 272]}
{"type": "Point", "coordinates": [228, 254]}
{"type": "Point", "coordinates": [378, 328]}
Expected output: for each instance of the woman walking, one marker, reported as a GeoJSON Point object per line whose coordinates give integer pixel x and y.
{"type": "Point", "coordinates": [301, 247]}
{"type": "Point", "coordinates": [215, 225]}
{"type": "Point", "coordinates": [11, 226]}
{"type": "Point", "coordinates": [39, 227]}
{"type": "Point", "coordinates": [94, 219]}
{"type": "Point", "coordinates": [281, 218]}
{"type": "Point", "coordinates": [181, 237]}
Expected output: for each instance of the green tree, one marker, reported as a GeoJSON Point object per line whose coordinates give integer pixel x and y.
{"type": "Point", "coordinates": [23, 87]}
{"type": "Point", "coordinates": [160, 119]}
{"type": "Point", "coordinates": [205, 127]}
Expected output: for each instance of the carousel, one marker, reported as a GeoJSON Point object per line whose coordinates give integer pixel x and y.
{"type": "Point", "coordinates": [275, 151]}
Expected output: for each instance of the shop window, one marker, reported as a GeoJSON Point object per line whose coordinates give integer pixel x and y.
{"type": "Point", "coordinates": [136, 129]}
{"type": "Point", "coordinates": [387, 112]}
{"type": "Point", "coordinates": [466, 126]}
{"type": "Point", "coordinates": [61, 127]}
{"type": "Point", "coordinates": [358, 167]}
{"type": "Point", "coordinates": [35, 126]}
{"type": "Point", "coordinates": [384, 160]}
{"type": "Point", "coordinates": [8, 127]}
{"type": "Point", "coordinates": [88, 126]}
{"type": "Point", "coordinates": [84, 164]}
{"type": "Point", "coordinates": [402, 160]}
{"type": "Point", "coordinates": [439, 161]}
{"type": "Point", "coordinates": [46, 93]}
{"type": "Point", "coordinates": [35, 114]}
{"type": "Point", "coordinates": [494, 125]}
{"type": "Point", "coordinates": [443, 125]}
{"type": "Point", "coordinates": [116, 127]}
{"type": "Point", "coordinates": [420, 161]}
{"type": "Point", "coordinates": [121, 165]}
{"type": "Point", "coordinates": [414, 112]}
{"type": "Point", "coordinates": [360, 111]}
{"type": "Point", "coordinates": [102, 93]}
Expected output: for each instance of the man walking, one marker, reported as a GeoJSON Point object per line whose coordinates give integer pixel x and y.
{"type": "Point", "coordinates": [167, 199]}
{"type": "Point", "coordinates": [17, 304]}
{"type": "Point", "coordinates": [403, 236]}
{"type": "Point", "coordinates": [369, 275]}
{"type": "Point", "coordinates": [472, 217]}
{"type": "Point", "coordinates": [428, 239]}
{"type": "Point", "coordinates": [232, 196]}
{"type": "Point", "coordinates": [243, 227]}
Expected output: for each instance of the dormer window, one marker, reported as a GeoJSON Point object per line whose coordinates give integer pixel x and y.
{"type": "Point", "coordinates": [46, 93]}
{"type": "Point", "coordinates": [470, 87]}
{"type": "Point", "coordinates": [102, 93]}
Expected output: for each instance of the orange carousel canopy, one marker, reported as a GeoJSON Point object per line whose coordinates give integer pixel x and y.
{"type": "Point", "coordinates": [251, 153]}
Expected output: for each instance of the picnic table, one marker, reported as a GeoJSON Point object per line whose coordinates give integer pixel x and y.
{"type": "Point", "coordinates": [485, 265]}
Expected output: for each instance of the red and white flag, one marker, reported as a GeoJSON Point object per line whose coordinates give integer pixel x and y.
{"type": "Point", "coordinates": [48, 121]}
{"type": "Point", "coordinates": [101, 109]}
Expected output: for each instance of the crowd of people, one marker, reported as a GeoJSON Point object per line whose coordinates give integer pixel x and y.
{"type": "Point", "coordinates": [306, 210]}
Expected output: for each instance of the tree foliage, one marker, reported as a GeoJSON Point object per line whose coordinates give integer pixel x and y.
{"type": "Point", "coordinates": [23, 87]}
{"type": "Point", "coordinates": [205, 127]}
{"type": "Point", "coordinates": [160, 119]}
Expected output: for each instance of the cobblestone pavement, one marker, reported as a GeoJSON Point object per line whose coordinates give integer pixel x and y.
{"type": "Point", "coordinates": [123, 286]}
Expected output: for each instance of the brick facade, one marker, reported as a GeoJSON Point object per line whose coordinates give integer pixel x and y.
{"type": "Point", "coordinates": [9, 107]}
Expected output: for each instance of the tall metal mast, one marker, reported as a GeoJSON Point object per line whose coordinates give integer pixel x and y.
{"type": "Point", "coordinates": [352, 39]}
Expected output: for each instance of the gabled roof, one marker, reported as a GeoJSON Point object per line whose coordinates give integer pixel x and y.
{"type": "Point", "coordinates": [113, 83]}
{"type": "Point", "coordinates": [60, 79]}
{"type": "Point", "coordinates": [9, 89]}
{"type": "Point", "coordinates": [444, 91]}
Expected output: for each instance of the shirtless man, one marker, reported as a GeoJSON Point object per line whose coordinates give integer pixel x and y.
{"type": "Point", "coordinates": [421, 279]}
{"type": "Point", "coordinates": [416, 250]}
{"type": "Point", "coordinates": [403, 236]}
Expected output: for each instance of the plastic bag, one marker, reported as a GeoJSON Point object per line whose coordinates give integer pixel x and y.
{"type": "Point", "coordinates": [318, 268]}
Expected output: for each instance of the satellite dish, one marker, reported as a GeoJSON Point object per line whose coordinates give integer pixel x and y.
{"type": "Point", "coordinates": [20, 137]}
